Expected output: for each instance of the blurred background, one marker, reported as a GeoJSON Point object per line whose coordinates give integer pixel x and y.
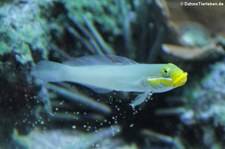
{"type": "Point", "coordinates": [188, 33]}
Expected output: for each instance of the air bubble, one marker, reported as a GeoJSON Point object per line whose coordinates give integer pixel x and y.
{"type": "Point", "coordinates": [131, 125]}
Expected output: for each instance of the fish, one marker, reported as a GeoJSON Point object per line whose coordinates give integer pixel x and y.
{"type": "Point", "coordinates": [109, 73]}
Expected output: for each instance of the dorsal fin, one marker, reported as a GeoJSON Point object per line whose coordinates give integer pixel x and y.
{"type": "Point", "coordinates": [100, 60]}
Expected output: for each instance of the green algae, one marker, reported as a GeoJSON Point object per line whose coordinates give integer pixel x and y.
{"type": "Point", "coordinates": [23, 30]}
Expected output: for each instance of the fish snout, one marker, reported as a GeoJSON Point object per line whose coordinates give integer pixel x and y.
{"type": "Point", "coordinates": [180, 80]}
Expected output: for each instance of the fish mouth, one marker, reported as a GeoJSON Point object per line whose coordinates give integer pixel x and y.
{"type": "Point", "coordinates": [180, 80]}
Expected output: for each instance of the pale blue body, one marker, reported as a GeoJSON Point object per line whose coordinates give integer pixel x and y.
{"type": "Point", "coordinates": [103, 75]}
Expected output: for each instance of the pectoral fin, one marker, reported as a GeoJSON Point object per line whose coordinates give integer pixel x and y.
{"type": "Point", "coordinates": [140, 99]}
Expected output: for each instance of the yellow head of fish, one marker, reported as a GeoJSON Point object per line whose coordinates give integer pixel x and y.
{"type": "Point", "coordinates": [169, 77]}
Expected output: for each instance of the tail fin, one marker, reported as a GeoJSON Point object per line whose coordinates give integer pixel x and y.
{"type": "Point", "coordinates": [49, 71]}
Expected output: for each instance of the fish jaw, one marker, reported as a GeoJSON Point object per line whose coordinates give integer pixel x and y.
{"type": "Point", "coordinates": [180, 80]}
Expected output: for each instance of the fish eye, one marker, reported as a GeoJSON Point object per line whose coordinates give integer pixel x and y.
{"type": "Point", "coordinates": [165, 72]}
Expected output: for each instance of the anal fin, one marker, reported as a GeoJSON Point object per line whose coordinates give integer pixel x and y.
{"type": "Point", "coordinates": [140, 99]}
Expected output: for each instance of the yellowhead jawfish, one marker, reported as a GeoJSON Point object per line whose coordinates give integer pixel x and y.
{"type": "Point", "coordinates": [113, 73]}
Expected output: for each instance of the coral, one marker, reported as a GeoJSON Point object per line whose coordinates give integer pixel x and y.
{"type": "Point", "coordinates": [65, 139]}
{"type": "Point", "coordinates": [22, 30]}
{"type": "Point", "coordinates": [213, 85]}
{"type": "Point", "coordinates": [194, 34]}
{"type": "Point", "coordinates": [23, 33]}
{"type": "Point", "coordinates": [71, 94]}
{"type": "Point", "coordinates": [189, 29]}
{"type": "Point", "coordinates": [107, 12]}
{"type": "Point", "coordinates": [203, 105]}
{"type": "Point", "coordinates": [179, 16]}
{"type": "Point", "coordinates": [210, 52]}
{"type": "Point", "coordinates": [83, 15]}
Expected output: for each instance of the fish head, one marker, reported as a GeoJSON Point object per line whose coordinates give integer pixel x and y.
{"type": "Point", "coordinates": [169, 77]}
{"type": "Point", "coordinates": [177, 75]}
